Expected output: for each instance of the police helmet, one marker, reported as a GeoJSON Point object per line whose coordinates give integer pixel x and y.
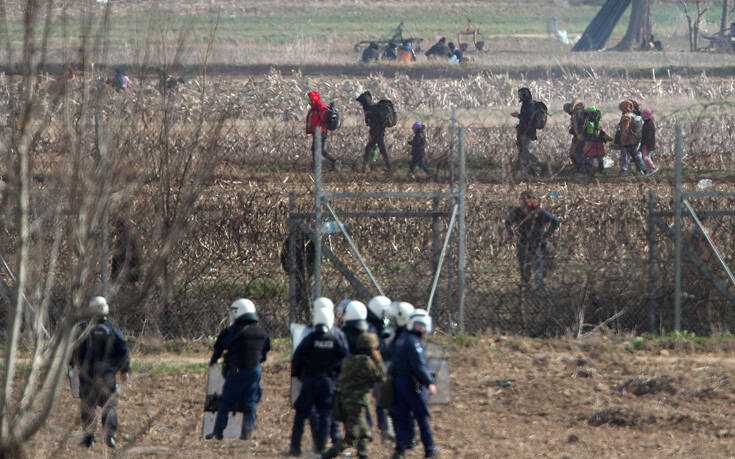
{"type": "Point", "coordinates": [98, 305]}
{"type": "Point", "coordinates": [402, 312]}
{"type": "Point", "coordinates": [322, 303]}
{"type": "Point", "coordinates": [378, 305]}
{"type": "Point", "coordinates": [420, 316]}
{"type": "Point", "coordinates": [368, 341]}
{"type": "Point", "coordinates": [355, 310]}
{"type": "Point", "coordinates": [242, 307]}
{"type": "Point", "coordinates": [322, 320]}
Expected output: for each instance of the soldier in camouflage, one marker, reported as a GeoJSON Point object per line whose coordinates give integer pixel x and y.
{"type": "Point", "coordinates": [360, 372]}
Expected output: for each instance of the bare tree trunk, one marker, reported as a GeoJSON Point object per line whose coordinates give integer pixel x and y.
{"type": "Point", "coordinates": [639, 26]}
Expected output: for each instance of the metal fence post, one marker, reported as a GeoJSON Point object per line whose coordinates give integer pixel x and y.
{"type": "Point", "coordinates": [435, 233]}
{"type": "Point", "coordinates": [317, 291]}
{"type": "Point", "coordinates": [451, 153]}
{"type": "Point", "coordinates": [291, 258]}
{"type": "Point", "coordinates": [677, 232]}
{"type": "Point", "coordinates": [461, 237]}
{"type": "Point", "coordinates": [651, 265]}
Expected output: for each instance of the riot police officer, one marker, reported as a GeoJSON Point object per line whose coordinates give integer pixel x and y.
{"type": "Point", "coordinates": [100, 354]}
{"type": "Point", "coordinates": [412, 382]}
{"type": "Point", "coordinates": [316, 362]}
{"type": "Point", "coordinates": [247, 345]}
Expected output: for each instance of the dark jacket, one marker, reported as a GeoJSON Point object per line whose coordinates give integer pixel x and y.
{"type": "Point", "coordinates": [371, 53]}
{"type": "Point", "coordinates": [532, 228]}
{"type": "Point", "coordinates": [318, 355]}
{"type": "Point", "coordinates": [439, 49]}
{"type": "Point", "coordinates": [409, 359]}
{"type": "Point", "coordinates": [101, 352]}
{"type": "Point", "coordinates": [246, 343]}
{"type": "Point", "coordinates": [418, 143]}
{"type": "Point", "coordinates": [353, 329]}
{"type": "Point", "coordinates": [648, 135]}
{"type": "Point", "coordinates": [525, 125]}
{"type": "Point", "coordinates": [372, 117]}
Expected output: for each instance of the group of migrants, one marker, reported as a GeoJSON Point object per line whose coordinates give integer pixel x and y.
{"type": "Point", "coordinates": [634, 137]}
{"type": "Point", "coordinates": [339, 369]}
{"type": "Point", "coordinates": [379, 116]}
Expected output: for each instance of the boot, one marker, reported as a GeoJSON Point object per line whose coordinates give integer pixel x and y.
{"type": "Point", "coordinates": [398, 454]}
{"type": "Point", "coordinates": [295, 451]}
{"type": "Point", "coordinates": [110, 441]}
{"type": "Point", "coordinates": [214, 434]}
{"type": "Point", "coordinates": [87, 441]}
{"type": "Point", "coordinates": [330, 453]}
{"type": "Point", "coordinates": [246, 434]}
{"type": "Point", "coordinates": [433, 453]}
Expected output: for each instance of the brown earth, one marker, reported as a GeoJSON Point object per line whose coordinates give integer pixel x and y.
{"type": "Point", "coordinates": [512, 397]}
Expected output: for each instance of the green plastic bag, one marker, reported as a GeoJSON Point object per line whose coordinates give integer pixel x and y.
{"type": "Point", "coordinates": [374, 154]}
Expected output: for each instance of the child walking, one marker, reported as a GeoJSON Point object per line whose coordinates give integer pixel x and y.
{"type": "Point", "coordinates": [648, 140]}
{"type": "Point", "coordinates": [418, 148]}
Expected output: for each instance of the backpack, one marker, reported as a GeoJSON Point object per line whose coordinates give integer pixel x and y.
{"type": "Point", "coordinates": [592, 117]}
{"type": "Point", "coordinates": [540, 113]}
{"type": "Point", "coordinates": [332, 118]}
{"type": "Point", "coordinates": [636, 127]}
{"type": "Point", "coordinates": [387, 112]}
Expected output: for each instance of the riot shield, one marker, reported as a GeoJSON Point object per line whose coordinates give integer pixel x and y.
{"type": "Point", "coordinates": [439, 368]}
{"type": "Point", "coordinates": [215, 382]}
{"type": "Point", "coordinates": [298, 333]}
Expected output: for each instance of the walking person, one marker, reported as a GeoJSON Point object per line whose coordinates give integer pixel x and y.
{"type": "Point", "coordinates": [648, 140]}
{"type": "Point", "coordinates": [375, 119]}
{"type": "Point", "coordinates": [629, 134]}
{"type": "Point", "coordinates": [360, 372]}
{"type": "Point", "coordinates": [533, 226]}
{"type": "Point", "coordinates": [101, 353]}
{"type": "Point", "coordinates": [526, 133]}
{"type": "Point", "coordinates": [418, 148]}
{"type": "Point", "coordinates": [576, 111]}
{"type": "Point", "coordinates": [413, 383]}
{"type": "Point", "coordinates": [247, 345]}
{"type": "Point", "coordinates": [316, 118]}
{"type": "Point", "coordinates": [316, 362]}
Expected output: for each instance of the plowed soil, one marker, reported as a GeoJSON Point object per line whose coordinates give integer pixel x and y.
{"type": "Point", "coordinates": [512, 397]}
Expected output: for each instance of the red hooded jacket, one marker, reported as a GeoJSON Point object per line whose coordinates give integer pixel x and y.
{"type": "Point", "coordinates": [317, 114]}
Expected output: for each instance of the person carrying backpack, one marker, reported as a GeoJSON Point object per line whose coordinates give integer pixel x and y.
{"type": "Point", "coordinates": [526, 132]}
{"type": "Point", "coordinates": [376, 117]}
{"type": "Point", "coordinates": [629, 134]}
{"type": "Point", "coordinates": [648, 140]}
{"type": "Point", "coordinates": [577, 114]}
{"type": "Point", "coordinates": [594, 140]}
{"type": "Point", "coordinates": [317, 117]}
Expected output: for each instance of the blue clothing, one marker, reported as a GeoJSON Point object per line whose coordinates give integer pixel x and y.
{"type": "Point", "coordinates": [247, 346]}
{"type": "Point", "coordinates": [409, 359]}
{"type": "Point", "coordinates": [410, 370]}
{"type": "Point", "coordinates": [418, 161]}
{"type": "Point", "coordinates": [242, 387]}
{"type": "Point", "coordinates": [316, 362]}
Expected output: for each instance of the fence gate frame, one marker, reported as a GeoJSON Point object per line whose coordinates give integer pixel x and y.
{"type": "Point", "coordinates": [655, 223]}
{"type": "Point", "coordinates": [300, 221]}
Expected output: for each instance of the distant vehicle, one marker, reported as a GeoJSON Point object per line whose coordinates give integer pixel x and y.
{"type": "Point", "coordinates": [394, 41]}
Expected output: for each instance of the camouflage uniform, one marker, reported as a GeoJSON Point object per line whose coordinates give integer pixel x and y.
{"type": "Point", "coordinates": [360, 372]}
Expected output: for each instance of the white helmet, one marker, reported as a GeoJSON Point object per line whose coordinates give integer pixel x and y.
{"type": "Point", "coordinates": [323, 317]}
{"type": "Point", "coordinates": [379, 305]}
{"type": "Point", "coordinates": [402, 312]}
{"type": "Point", "coordinates": [322, 303]}
{"type": "Point", "coordinates": [241, 307]}
{"type": "Point", "coordinates": [98, 305]}
{"type": "Point", "coordinates": [420, 316]}
{"type": "Point", "coordinates": [355, 310]}
{"type": "Point", "coordinates": [342, 306]}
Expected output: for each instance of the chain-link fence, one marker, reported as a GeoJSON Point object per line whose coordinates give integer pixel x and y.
{"type": "Point", "coordinates": [595, 268]}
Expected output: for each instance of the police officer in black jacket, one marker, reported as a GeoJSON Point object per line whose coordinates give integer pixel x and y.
{"type": "Point", "coordinates": [316, 362]}
{"type": "Point", "coordinates": [101, 353]}
{"type": "Point", "coordinates": [247, 345]}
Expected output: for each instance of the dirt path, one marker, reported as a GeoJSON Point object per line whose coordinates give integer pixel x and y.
{"type": "Point", "coordinates": [511, 398]}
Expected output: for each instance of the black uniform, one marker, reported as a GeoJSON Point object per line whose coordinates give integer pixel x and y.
{"type": "Point", "coordinates": [316, 362]}
{"type": "Point", "coordinates": [99, 356]}
{"type": "Point", "coordinates": [247, 345]}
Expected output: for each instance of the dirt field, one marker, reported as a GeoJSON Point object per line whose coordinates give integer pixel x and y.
{"type": "Point", "coordinates": [512, 397]}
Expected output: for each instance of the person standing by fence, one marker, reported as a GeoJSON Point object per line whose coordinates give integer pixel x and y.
{"type": "Point", "coordinates": [316, 118]}
{"type": "Point", "coordinates": [533, 226]}
{"type": "Point", "coordinates": [526, 133]}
